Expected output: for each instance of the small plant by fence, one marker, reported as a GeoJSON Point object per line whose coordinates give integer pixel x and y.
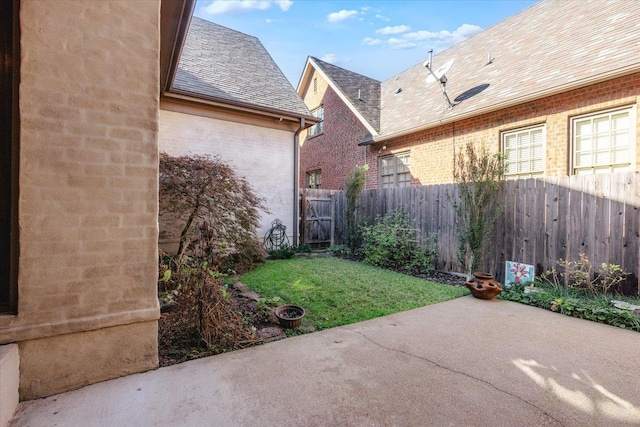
{"type": "Point", "coordinates": [544, 220]}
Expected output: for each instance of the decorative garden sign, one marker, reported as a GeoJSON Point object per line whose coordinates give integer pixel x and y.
{"type": "Point", "coordinates": [518, 273]}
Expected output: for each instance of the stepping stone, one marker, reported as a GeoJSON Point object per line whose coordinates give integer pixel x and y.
{"type": "Point", "coordinates": [246, 292]}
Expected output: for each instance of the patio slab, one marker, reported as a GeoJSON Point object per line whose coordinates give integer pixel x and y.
{"type": "Point", "coordinates": [465, 362]}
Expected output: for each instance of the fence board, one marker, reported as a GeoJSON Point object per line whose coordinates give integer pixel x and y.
{"type": "Point", "coordinates": [551, 224]}
{"type": "Point", "coordinates": [543, 220]}
{"type": "Point", "coordinates": [538, 224]}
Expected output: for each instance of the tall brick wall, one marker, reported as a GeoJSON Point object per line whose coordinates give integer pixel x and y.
{"type": "Point", "coordinates": [263, 155]}
{"type": "Point", "coordinates": [88, 193]}
{"type": "Point", "coordinates": [335, 151]}
{"type": "Point", "coordinates": [432, 151]}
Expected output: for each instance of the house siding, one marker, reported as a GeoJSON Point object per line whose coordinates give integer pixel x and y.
{"type": "Point", "coordinates": [335, 151]}
{"type": "Point", "coordinates": [87, 271]}
{"type": "Point", "coordinates": [433, 150]}
{"type": "Point", "coordinates": [263, 155]}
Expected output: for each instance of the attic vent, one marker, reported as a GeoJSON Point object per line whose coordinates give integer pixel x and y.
{"type": "Point", "coordinates": [489, 60]}
{"type": "Point", "coordinates": [398, 90]}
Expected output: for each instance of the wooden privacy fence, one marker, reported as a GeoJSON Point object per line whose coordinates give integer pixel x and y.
{"type": "Point", "coordinates": [543, 220]}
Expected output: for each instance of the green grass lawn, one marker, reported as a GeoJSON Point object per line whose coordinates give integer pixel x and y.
{"type": "Point", "coordinates": [337, 292]}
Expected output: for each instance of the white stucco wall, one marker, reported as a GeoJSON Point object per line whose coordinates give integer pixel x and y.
{"type": "Point", "coordinates": [264, 156]}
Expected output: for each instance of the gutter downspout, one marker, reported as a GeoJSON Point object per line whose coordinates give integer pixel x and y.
{"type": "Point", "coordinates": [296, 182]}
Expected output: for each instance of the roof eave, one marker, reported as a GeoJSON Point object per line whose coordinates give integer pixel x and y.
{"type": "Point", "coordinates": [175, 17]}
{"type": "Point", "coordinates": [226, 104]}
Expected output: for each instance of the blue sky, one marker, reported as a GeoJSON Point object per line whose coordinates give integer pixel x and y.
{"type": "Point", "coordinates": [378, 39]}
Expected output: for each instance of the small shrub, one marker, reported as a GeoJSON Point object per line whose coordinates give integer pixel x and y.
{"type": "Point", "coordinates": [354, 184]}
{"type": "Point", "coordinates": [285, 252]}
{"type": "Point", "coordinates": [392, 243]}
{"type": "Point", "coordinates": [216, 210]}
{"type": "Point", "coordinates": [303, 248]}
{"type": "Point", "coordinates": [205, 308]}
{"type": "Point", "coordinates": [339, 249]}
{"type": "Point", "coordinates": [581, 274]}
{"type": "Point", "coordinates": [478, 174]}
{"type": "Point", "coordinates": [575, 302]}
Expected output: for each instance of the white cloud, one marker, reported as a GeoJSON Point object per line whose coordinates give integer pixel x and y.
{"type": "Point", "coordinates": [383, 18]}
{"type": "Point", "coordinates": [271, 21]}
{"type": "Point", "coordinates": [330, 58]}
{"type": "Point", "coordinates": [445, 37]}
{"type": "Point", "coordinates": [371, 42]}
{"type": "Point", "coordinates": [402, 43]}
{"type": "Point", "coordinates": [342, 15]}
{"type": "Point", "coordinates": [398, 29]}
{"type": "Point", "coordinates": [218, 7]}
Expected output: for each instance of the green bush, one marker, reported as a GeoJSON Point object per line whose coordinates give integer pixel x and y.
{"type": "Point", "coordinates": [285, 252]}
{"type": "Point", "coordinates": [576, 303]}
{"type": "Point", "coordinates": [392, 243]}
{"type": "Point", "coordinates": [339, 249]}
{"type": "Point", "coordinates": [303, 248]}
{"type": "Point", "coordinates": [478, 174]}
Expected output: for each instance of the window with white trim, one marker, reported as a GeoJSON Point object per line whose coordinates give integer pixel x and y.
{"type": "Point", "coordinates": [604, 142]}
{"type": "Point", "coordinates": [395, 171]}
{"type": "Point", "coordinates": [314, 179]}
{"type": "Point", "coordinates": [317, 128]}
{"type": "Point", "coordinates": [524, 151]}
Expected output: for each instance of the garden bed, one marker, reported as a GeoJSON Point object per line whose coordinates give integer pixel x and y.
{"type": "Point", "coordinates": [178, 334]}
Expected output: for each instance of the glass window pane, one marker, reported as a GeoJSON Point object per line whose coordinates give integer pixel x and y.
{"type": "Point", "coordinates": [608, 148]}
{"type": "Point", "coordinates": [395, 170]}
{"type": "Point", "coordinates": [524, 152]}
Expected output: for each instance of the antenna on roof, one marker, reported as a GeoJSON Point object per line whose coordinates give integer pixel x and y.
{"type": "Point", "coordinates": [439, 76]}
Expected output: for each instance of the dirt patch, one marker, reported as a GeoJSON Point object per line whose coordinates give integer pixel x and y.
{"type": "Point", "coordinates": [178, 338]}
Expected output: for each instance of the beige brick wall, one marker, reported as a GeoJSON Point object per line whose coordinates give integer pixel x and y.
{"type": "Point", "coordinates": [263, 155]}
{"type": "Point", "coordinates": [88, 183]}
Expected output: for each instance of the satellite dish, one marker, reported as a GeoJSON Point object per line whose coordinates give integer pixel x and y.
{"type": "Point", "coordinates": [441, 71]}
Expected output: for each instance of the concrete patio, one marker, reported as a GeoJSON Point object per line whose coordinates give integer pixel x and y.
{"type": "Point", "coordinates": [465, 362]}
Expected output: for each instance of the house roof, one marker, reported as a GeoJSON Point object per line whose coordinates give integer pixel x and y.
{"type": "Point", "coordinates": [361, 91]}
{"type": "Point", "coordinates": [549, 48]}
{"type": "Point", "coordinates": [221, 64]}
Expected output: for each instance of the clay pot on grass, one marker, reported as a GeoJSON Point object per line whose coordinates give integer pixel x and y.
{"type": "Point", "coordinates": [289, 316]}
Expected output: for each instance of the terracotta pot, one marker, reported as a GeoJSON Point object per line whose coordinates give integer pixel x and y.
{"type": "Point", "coordinates": [483, 286]}
{"type": "Point", "coordinates": [289, 316]}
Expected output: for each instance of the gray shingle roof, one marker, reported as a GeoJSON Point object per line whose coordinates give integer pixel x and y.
{"type": "Point", "coordinates": [550, 47]}
{"type": "Point", "coordinates": [226, 65]}
{"type": "Point", "coordinates": [353, 84]}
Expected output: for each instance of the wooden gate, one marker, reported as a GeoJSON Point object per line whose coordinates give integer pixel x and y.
{"type": "Point", "coordinates": [318, 218]}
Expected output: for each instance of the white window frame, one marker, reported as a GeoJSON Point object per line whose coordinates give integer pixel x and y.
{"type": "Point", "coordinates": [315, 174]}
{"type": "Point", "coordinates": [627, 156]}
{"type": "Point", "coordinates": [316, 129]}
{"type": "Point", "coordinates": [404, 159]}
{"type": "Point", "coordinates": [524, 152]}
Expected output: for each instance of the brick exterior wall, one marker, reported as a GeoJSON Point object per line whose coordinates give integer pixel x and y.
{"type": "Point", "coordinates": [87, 279]}
{"type": "Point", "coordinates": [335, 151]}
{"type": "Point", "coordinates": [263, 155]}
{"type": "Point", "coordinates": [432, 151]}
